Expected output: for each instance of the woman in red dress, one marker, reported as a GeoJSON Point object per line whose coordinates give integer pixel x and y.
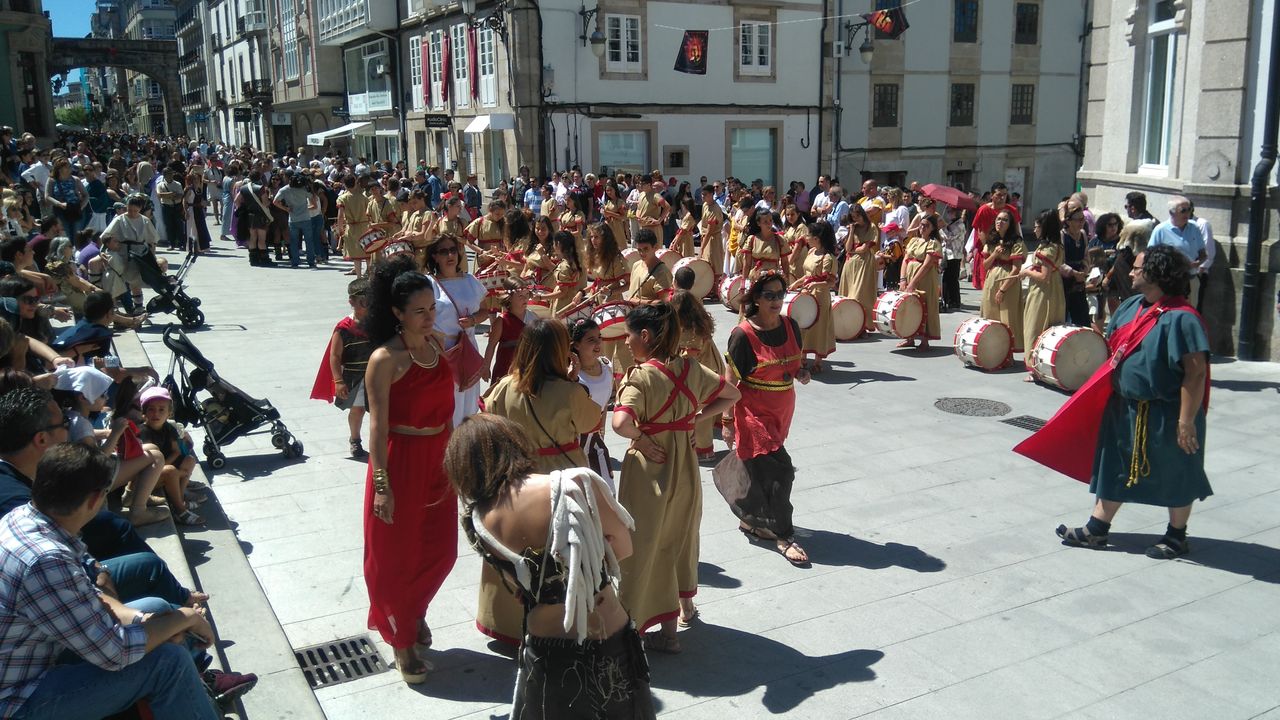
{"type": "Point", "coordinates": [764, 360]}
{"type": "Point", "coordinates": [410, 509]}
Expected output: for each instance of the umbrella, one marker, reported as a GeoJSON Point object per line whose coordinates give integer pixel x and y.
{"type": "Point", "coordinates": [949, 195]}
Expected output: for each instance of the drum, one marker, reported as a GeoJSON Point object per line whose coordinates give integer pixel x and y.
{"type": "Point", "coordinates": [900, 314]}
{"type": "Point", "coordinates": [612, 319]}
{"type": "Point", "coordinates": [731, 291]}
{"type": "Point", "coordinates": [985, 344]}
{"type": "Point", "coordinates": [582, 310]}
{"type": "Point", "coordinates": [492, 279]}
{"type": "Point", "coordinates": [630, 256]}
{"type": "Point", "coordinates": [849, 318]}
{"type": "Point", "coordinates": [372, 241]}
{"type": "Point", "coordinates": [537, 304]}
{"type": "Point", "coordinates": [398, 247]}
{"type": "Point", "coordinates": [1065, 356]}
{"type": "Point", "coordinates": [704, 277]}
{"type": "Point", "coordinates": [802, 308]}
{"type": "Point", "coordinates": [669, 257]}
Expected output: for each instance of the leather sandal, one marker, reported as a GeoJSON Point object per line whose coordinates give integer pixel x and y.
{"type": "Point", "coordinates": [658, 642]}
{"type": "Point", "coordinates": [1081, 537]}
{"type": "Point", "coordinates": [1168, 549]}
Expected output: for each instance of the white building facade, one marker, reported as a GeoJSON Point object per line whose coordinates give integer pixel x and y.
{"type": "Point", "coordinates": [972, 93]}
{"type": "Point", "coordinates": [755, 114]}
{"type": "Point", "coordinates": [364, 32]}
{"type": "Point", "coordinates": [239, 69]}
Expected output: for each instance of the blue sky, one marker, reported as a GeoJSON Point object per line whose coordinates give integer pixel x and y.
{"type": "Point", "coordinates": [70, 17]}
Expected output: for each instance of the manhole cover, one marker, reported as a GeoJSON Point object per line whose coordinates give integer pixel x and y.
{"type": "Point", "coordinates": [973, 407]}
{"type": "Point", "coordinates": [1026, 422]}
{"type": "Point", "coordinates": [339, 661]}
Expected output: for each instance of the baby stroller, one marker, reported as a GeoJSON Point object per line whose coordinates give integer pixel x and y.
{"type": "Point", "coordinates": [228, 413]}
{"type": "Point", "coordinates": [171, 293]}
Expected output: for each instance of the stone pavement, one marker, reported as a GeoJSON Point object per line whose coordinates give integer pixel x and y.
{"type": "Point", "coordinates": [938, 588]}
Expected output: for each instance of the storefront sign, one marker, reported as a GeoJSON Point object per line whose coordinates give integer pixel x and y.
{"type": "Point", "coordinates": [241, 114]}
{"type": "Point", "coordinates": [443, 122]}
{"type": "Point", "coordinates": [281, 118]}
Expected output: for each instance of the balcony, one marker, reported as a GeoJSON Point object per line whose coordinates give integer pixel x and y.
{"type": "Point", "coordinates": [254, 22]}
{"type": "Point", "coordinates": [343, 20]}
{"type": "Point", "coordinates": [193, 100]}
{"type": "Point", "coordinates": [256, 89]}
{"type": "Point", "coordinates": [188, 59]}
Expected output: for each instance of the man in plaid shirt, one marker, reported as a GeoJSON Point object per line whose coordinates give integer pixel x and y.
{"type": "Point", "coordinates": [50, 606]}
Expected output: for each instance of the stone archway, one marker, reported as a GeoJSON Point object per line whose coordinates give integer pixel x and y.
{"type": "Point", "coordinates": [157, 59]}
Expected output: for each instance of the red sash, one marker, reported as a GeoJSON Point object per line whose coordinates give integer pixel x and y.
{"type": "Point", "coordinates": [1068, 443]}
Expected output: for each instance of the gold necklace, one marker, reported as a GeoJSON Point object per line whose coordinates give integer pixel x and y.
{"type": "Point", "coordinates": [426, 366]}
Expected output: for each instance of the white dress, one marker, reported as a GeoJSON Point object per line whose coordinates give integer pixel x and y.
{"type": "Point", "coordinates": [468, 293]}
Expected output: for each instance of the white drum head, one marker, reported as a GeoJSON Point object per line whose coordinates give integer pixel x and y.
{"type": "Point", "coordinates": [802, 308]}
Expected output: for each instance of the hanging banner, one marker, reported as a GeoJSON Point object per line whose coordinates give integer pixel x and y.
{"type": "Point", "coordinates": [892, 22]}
{"type": "Point", "coordinates": [693, 53]}
{"type": "Point", "coordinates": [426, 70]}
{"type": "Point", "coordinates": [473, 65]}
{"type": "Point", "coordinates": [446, 64]}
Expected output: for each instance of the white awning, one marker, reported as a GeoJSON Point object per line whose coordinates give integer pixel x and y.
{"type": "Point", "coordinates": [320, 137]}
{"type": "Point", "coordinates": [499, 121]}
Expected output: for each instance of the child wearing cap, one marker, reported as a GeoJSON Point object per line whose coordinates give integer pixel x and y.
{"type": "Point", "coordinates": [175, 447]}
{"type": "Point", "coordinates": [340, 379]}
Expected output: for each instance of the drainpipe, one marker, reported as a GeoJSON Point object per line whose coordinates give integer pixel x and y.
{"type": "Point", "coordinates": [1251, 299]}
{"type": "Point", "coordinates": [399, 71]}
{"type": "Point", "coordinates": [835, 92]}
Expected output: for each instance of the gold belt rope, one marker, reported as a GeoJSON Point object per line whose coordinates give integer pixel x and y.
{"type": "Point", "coordinates": [1139, 465]}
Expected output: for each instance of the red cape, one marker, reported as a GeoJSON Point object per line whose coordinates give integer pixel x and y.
{"type": "Point", "coordinates": [1068, 443]}
{"type": "Point", "coordinates": [323, 388]}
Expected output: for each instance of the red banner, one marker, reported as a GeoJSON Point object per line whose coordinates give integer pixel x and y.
{"type": "Point", "coordinates": [426, 70]}
{"type": "Point", "coordinates": [473, 65]}
{"type": "Point", "coordinates": [693, 53]}
{"type": "Point", "coordinates": [446, 65]}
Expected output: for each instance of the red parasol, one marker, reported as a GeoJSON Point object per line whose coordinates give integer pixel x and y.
{"type": "Point", "coordinates": [949, 195]}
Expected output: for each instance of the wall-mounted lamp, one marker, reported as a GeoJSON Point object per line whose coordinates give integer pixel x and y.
{"type": "Point", "coordinates": [866, 49]}
{"type": "Point", "coordinates": [596, 38]}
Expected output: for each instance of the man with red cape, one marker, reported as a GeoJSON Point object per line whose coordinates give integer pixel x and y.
{"type": "Point", "coordinates": [1135, 431]}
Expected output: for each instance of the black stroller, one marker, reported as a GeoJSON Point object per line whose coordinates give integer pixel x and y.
{"type": "Point", "coordinates": [228, 413]}
{"type": "Point", "coordinates": [171, 293]}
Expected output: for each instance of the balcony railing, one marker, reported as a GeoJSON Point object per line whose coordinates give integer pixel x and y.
{"type": "Point", "coordinates": [256, 88]}
{"type": "Point", "coordinates": [254, 22]}
{"type": "Point", "coordinates": [189, 58]}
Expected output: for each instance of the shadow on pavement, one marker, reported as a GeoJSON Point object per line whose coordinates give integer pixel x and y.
{"type": "Point", "coordinates": [933, 351]}
{"type": "Point", "coordinates": [723, 662]}
{"type": "Point", "coordinates": [831, 376]}
{"type": "Point", "coordinates": [251, 467]}
{"type": "Point", "coordinates": [1241, 558]}
{"type": "Point", "coordinates": [837, 549]}
{"type": "Point", "coordinates": [1245, 385]}
{"type": "Point", "coordinates": [713, 576]}
{"type": "Point", "coordinates": [463, 675]}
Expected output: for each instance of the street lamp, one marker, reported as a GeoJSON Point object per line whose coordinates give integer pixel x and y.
{"type": "Point", "coordinates": [596, 38]}
{"type": "Point", "coordinates": [867, 50]}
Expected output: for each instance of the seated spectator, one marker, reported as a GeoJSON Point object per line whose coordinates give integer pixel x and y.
{"type": "Point", "coordinates": [19, 306]}
{"type": "Point", "coordinates": [176, 447]}
{"type": "Point", "coordinates": [23, 258]}
{"type": "Point", "coordinates": [50, 228]}
{"type": "Point", "coordinates": [62, 269]}
{"type": "Point", "coordinates": [49, 605]}
{"type": "Point", "coordinates": [81, 392]}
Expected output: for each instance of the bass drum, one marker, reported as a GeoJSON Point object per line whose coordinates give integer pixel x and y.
{"type": "Point", "coordinates": [612, 319]}
{"type": "Point", "coordinates": [849, 318]}
{"type": "Point", "coordinates": [630, 256]}
{"type": "Point", "coordinates": [985, 344]}
{"type": "Point", "coordinates": [731, 291]}
{"type": "Point", "coordinates": [704, 278]}
{"type": "Point", "coordinates": [537, 304]}
{"type": "Point", "coordinates": [802, 308]}
{"type": "Point", "coordinates": [899, 314]}
{"type": "Point", "coordinates": [1065, 356]}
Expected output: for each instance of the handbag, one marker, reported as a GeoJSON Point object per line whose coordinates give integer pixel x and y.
{"type": "Point", "coordinates": [731, 479]}
{"type": "Point", "coordinates": [465, 359]}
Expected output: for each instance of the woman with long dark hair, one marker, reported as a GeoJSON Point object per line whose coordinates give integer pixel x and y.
{"type": "Point", "coordinates": [921, 275]}
{"type": "Point", "coordinates": [613, 211]}
{"type": "Point", "coordinates": [410, 511]}
{"type": "Point", "coordinates": [697, 342]}
{"type": "Point", "coordinates": [568, 279]}
{"type": "Point", "coordinates": [795, 244]}
{"type": "Point", "coordinates": [762, 248]}
{"type": "Point", "coordinates": [1002, 259]}
{"type": "Point", "coordinates": [580, 656]}
{"type": "Point", "coordinates": [818, 278]}
{"type": "Point", "coordinates": [658, 404]}
{"type": "Point", "coordinates": [541, 394]}
{"type": "Point", "coordinates": [765, 359]}
{"type": "Point", "coordinates": [1045, 304]}
{"type": "Point", "coordinates": [858, 277]}
{"type": "Point", "coordinates": [683, 240]}
{"type": "Point", "coordinates": [461, 308]}
{"type": "Point", "coordinates": [1074, 272]}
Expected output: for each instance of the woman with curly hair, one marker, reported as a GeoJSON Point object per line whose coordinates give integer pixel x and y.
{"type": "Point", "coordinates": [1001, 289]}
{"type": "Point", "coordinates": [1150, 447]}
{"type": "Point", "coordinates": [410, 510]}
{"type": "Point", "coordinates": [817, 279]}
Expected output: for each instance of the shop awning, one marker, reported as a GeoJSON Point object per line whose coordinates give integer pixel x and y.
{"type": "Point", "coordinates": [499, 121]}
{"type": "Point", "coordinates": [320, 137]}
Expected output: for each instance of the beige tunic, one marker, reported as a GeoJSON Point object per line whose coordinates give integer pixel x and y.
{"type": "Point", "coordinates": [617, 225]}
{"type": "Point", "coordinates": [820, 339]}
{"type": "Point", "coordinates": [565, 411]}
{"type": "Point", "coordinates": [858, 278]}
{"type": "Point", "coordinates": [566, 278]}
{"type": "Point", "coordinates": [1008, 312]}
{"type": "Point", "coordinates": [354, 207]}
{"type": "Point", "coordinates": [711, 228]}
{"type": "Point", "coordinates": [928, 284]}
{"type": "Point", "coordinates": [797, 251]}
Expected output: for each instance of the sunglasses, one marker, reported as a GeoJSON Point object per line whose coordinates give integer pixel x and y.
{"type": "Point", "coordinates": [445, 251]}
{"type": "Point", "coordinates": [29, 299]}
{"type": "Point", "coordinates": [773, 295]}
{"type": "Point", "coordinates": [65, 425]}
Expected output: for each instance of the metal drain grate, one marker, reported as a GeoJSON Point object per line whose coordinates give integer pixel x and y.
{"type": "Point", "coordinates": [1026, 422]}
{"type": "Point", "coordinates": [972, 407]}
{"type": "Point", "coordinates": [339, 661]}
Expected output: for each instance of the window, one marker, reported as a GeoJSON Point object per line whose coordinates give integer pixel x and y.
{"type": "Point", "coordinates": [884, 106]}
{"type": "Point", "coordinates": [435, 57]}
{"type": "Point", "coordinates": [966, 27]}
{"type": "Point", "coordinates": [1026, 24]}
{"type": "Point", "coordinates": [1022, 105]}
{"type": "Point", "coordinates": [753, 153]}
{"type": "Point", "coordinates": [289, 40]}
{"type": "Point", "coordinates": [622, 44]}
{"type": "Point", "coordinates": [461, 92]}
{"type": "Point", "coordinates": [304, 51]}
{"type": "Point", "coordinates": [1162, 62]}
{"type": "Point", "coordinates": [625, 150]}
{"type": "Point", "coordinates": [886, 5]}
{"type": "Point", "coordinates": [415, 71]}
{"type": "Point", "coordinates": [488, 56]}
{"type": "Point", "coordinates": [962, 104]}
{"type": "Point", "coordinates": [756, 56]}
